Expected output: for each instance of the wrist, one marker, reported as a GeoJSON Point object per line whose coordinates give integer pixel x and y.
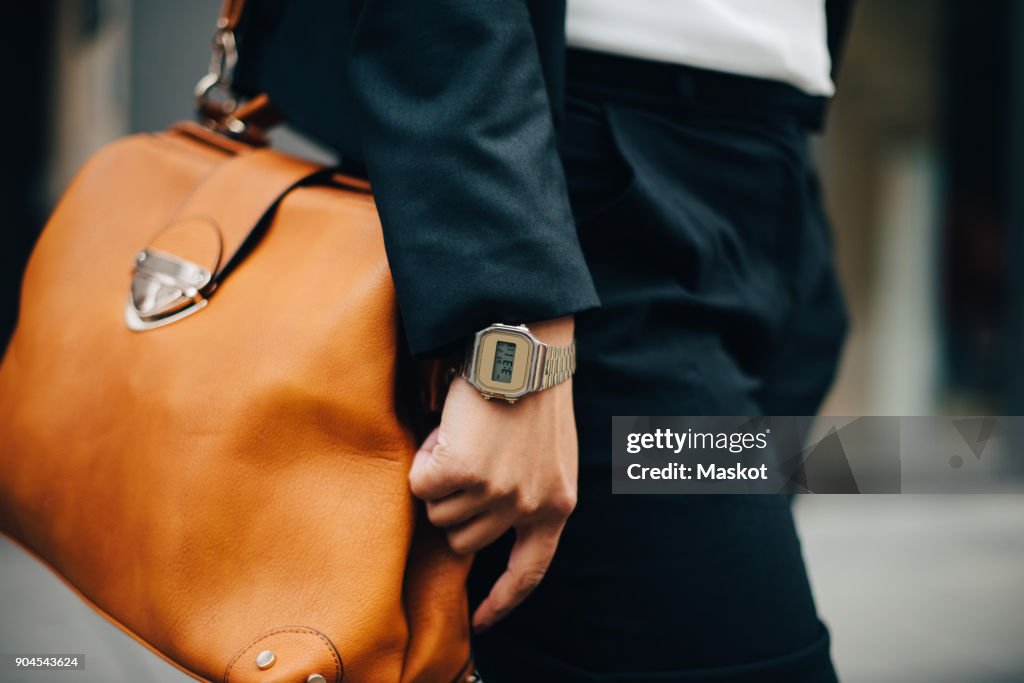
{"type": "Point", "coordinates": [557, 331]}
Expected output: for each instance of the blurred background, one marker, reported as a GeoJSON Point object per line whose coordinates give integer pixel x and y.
{"type": "Point", "coordinates": [923, 165]}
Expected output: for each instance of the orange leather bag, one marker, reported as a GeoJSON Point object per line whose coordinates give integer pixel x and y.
{"type": "Point", "coordinates": [199, 427]}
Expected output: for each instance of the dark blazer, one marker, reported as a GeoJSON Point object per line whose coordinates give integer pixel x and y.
{"type": "Point", "coordinates": [447, 105]}
{"type": "Point", "coordinates": [451, 106]}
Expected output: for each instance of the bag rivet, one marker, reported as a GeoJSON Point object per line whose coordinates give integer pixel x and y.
{"type": "Point", "coordinates": [266, 659]}
{"type": "Point", "coordinates": [316, 678]}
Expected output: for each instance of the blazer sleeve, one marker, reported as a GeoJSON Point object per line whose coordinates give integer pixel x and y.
{"type": "Point", "coordinates": [458, 140]}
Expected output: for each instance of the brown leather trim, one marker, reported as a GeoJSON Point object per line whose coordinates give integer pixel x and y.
{"type": "Point", "coordinates": [339, 673]}
{"type": "Point", "coordinates": [259, 112]}
{"type": "Point", "coordinates": [347, 182]}
{"type": "Point", "coordinates": [436, 375]}
{"type": "Point", "coordinates": [208, 136]}
{"type": "Point", "coordinates": [230, 13]}
{"type": "Point", "coordinates": [466, 673]}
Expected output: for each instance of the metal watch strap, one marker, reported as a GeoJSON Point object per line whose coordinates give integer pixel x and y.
{"type": "Point", "coordinates": [559, 365]}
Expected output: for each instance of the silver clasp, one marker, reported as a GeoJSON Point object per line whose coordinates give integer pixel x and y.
{"type": "Point", "coordinates": [165, 289]}
{"type": "Point", "coordinates": [223, 60]}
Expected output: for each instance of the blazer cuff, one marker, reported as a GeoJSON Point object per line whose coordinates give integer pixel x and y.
{"type": "Point", "coordinates": [511, 297]}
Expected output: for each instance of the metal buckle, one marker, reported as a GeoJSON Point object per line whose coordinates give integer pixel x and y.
{"type": "Point", "coordinates": [223, 59]}
{"type": "Point", "coordinates": [165, 289]}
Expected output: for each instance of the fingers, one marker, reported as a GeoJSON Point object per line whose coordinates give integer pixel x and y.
{"type": "Point", "coordinates": [456, 508]}
{"type": "Point", "coordinates": [479, 532]}
{"type": "Point", "coordinates": [531, 555]}
{"type": "Point", "coordinates": [428, 478]}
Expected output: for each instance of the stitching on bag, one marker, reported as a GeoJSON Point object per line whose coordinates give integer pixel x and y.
{"type": "Point", "coordinates": [300, 630]}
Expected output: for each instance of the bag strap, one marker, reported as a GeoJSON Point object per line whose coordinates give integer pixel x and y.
{"type": "Point", "coordinates": [216, 226]}
{"type": "Point", "coordinates": [241, 196]}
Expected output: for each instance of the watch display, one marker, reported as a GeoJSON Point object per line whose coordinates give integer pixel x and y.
{"type": "Point", "coordinates": [504, 361]}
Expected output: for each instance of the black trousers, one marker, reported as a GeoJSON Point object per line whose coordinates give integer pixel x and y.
{"type": "Point", "coordinates": [698, 210]}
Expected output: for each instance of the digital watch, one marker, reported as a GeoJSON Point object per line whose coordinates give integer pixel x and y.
{"type": "Point", "coordinates": [508, 362]}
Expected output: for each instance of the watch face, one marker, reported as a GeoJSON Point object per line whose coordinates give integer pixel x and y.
{"type": "Point", "coordinates": [503, 361]}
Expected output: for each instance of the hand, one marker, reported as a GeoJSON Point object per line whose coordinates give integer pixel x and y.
{"type": "Point", "coordinates": [491, 466]}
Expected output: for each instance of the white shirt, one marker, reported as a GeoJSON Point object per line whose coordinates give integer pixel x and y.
{"type": "Point", "coordinates": [782, 40]}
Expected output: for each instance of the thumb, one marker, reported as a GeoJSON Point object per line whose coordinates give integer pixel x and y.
{"type": "Point", "coordinates": [423, 477]}
{"type": "Point", "coordinates": [427, 447]}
